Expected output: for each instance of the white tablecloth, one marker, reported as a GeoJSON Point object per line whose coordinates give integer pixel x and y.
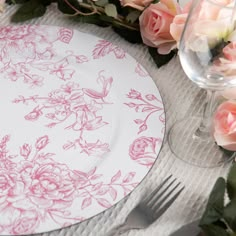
{"type": "Point", "coordinates": [181, 97]}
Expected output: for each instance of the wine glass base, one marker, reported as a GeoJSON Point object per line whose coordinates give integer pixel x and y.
{"type": "Point", "coordinates": [192, 149]}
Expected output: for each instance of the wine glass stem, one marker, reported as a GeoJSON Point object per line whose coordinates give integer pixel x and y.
{"type": "Point", "coordinates": [203, 131]}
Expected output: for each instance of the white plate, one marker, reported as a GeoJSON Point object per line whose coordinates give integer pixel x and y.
{"type": "Point", "coordinates": [81, 125]}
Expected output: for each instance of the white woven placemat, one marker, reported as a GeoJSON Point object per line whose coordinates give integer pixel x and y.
{"type": "Point", "coordinates": [181, 97]}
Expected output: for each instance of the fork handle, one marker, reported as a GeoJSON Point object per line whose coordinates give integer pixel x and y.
{"type": "Point", "coordinates": [133, 221]}
{"type": "Point", "coordinates": [120, 229]}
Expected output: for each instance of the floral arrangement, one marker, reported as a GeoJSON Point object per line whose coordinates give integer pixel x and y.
{"type": "Point", "coordinates": [157, 24]}
{"type": "Point", "coordinates": [219, 216]}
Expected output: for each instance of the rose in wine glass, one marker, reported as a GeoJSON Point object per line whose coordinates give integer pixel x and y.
{"type": "Point", "coordinates": [207, 38]}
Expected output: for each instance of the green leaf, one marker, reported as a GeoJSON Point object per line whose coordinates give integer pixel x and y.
{"type": "Point", "coordinates": [230, 214]}
{"type": "Point", "coordinates": [118, 6]}
{"type": "Point", "coordinates": [91, 19]}
{"type": "Point", "coordinates": [160, 59]}
{"type": "Point", "coordinates": [101, 3]}
{"type": "Point", "coordinates": [65, 8]}
{"type": "Point", "coordinates": [231, 182]}
{"type": "Point", "coordinates": [221, 224]}
{"type": "Point", "coordinates": [110, 10]}
{"type": "Point", "coordinates": [226, 152]}
{"type": "Point", "coordinates": [155, 1]}
{"type": "Point", "coordinates": [213, 230]}
{"type": "Point", "coordinates": [133, 16]}
{"type": "Point", "coordinates": [217, 49]}
{"type": "Point", "coordinates": [29, 10]}
{"type": "Point", "coordinates": [215, 204]}
{"type": "Point", "coordinates": [46, 2]}
{"type": "Point", "coordinates": [131, 36]}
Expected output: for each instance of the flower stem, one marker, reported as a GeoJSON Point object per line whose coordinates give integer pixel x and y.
{"type": "Point", "coordinates": [203, 132]}
{"type": "Point", "coordinates": [119, 20]}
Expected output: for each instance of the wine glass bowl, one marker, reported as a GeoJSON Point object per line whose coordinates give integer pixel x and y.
{"type": "Point", "coordinates": [208, 57]}
{"type": "Point", "coordinates": [204, 42]}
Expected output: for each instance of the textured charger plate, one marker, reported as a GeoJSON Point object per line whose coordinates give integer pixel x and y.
{"type": "Point", "coordinates": [81, 125]}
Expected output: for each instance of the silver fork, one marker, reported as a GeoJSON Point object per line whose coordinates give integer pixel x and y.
{"type": "Point", "coordinates": [151, 208]}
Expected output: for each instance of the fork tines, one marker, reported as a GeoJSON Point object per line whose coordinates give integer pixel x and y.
{"type": "Point", "coordinates": [163, 196]}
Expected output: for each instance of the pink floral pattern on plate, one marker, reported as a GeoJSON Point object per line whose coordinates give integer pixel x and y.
{"type": "Point", "coordinates": [25, 47]}
{"type": "Point", "coordinates": [103, 48]}
{"type": "Point", "coordinates": [36, 188]}
{"type": "Point", "coordinates": [145, 104]}
{"type": "Point", "coordinates": [140, 71]}
{"type": "Point", "coordinates": [64, 125]}
{"type": "Point", "coordinates": [69, 101]}
{"type": "Point", "coordinates": [143, 150]}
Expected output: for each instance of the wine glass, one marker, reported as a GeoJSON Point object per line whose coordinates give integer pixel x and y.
{"type": "Point", "coordinates": [209, 29]}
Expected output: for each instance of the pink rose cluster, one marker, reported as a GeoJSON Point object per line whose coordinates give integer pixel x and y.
{"type": "Point", "coordinates": [162, 23]}
{"type": "Point", "coordinates": [225, 125]}
{"type": "Point", "coordinates": [224, 119]}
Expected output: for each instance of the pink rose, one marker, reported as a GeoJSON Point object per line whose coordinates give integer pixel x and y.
{"type": "Point", "coordinates": [177, 26]}
{"type": "Point", "coordinates": [137, 4]}
{"type": "Point", "coordinates": [209, 25]}
{"type": "Point", "coordinates": [229, 51]}
{"type": "Point", "coordinates": [52, 186]}
{"type": "Point", "coordinates": [143, 150]}
{"type": "Point", "coordinates": [225, 125]}
{"type": "Point", "coordinates": [226, 65]}
{"type": "Point", "coordinates": [155, 25]}
{"type": "Point", "coordinates": [214, 10]}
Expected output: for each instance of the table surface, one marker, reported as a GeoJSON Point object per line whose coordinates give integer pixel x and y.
{"type": "Point", "coordinates": [181, 97]}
